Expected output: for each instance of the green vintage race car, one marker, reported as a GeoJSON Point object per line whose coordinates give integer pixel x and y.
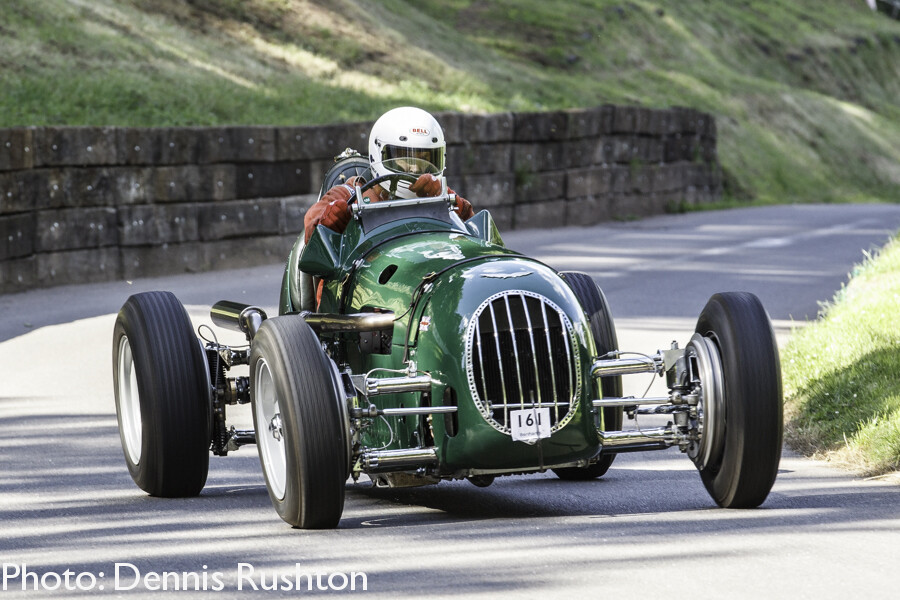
{"type": "Point", "coordinates": [435, 353]}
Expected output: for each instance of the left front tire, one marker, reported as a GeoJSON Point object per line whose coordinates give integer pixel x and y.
{"type": "Point", "coordinates": [162, 392]}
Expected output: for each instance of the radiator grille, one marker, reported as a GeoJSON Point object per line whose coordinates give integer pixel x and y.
{"type": "Point", "coordinates": [520, 353]}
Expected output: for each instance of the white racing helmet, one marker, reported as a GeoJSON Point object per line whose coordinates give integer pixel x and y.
{"type": "Point", "coordinates": [407, 140]}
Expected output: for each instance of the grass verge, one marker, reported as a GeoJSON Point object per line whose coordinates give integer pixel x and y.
{"type": "Point", "coordinates": [842, 373]}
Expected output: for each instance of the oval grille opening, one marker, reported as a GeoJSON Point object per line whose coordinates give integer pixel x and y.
{"type": "Point", "coordinates": [520, 353]}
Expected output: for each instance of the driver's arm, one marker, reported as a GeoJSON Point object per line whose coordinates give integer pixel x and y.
{"type": "Point", "coordinates": [331, 210]}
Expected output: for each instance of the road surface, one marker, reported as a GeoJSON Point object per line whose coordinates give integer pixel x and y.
{"type": "Point", "coordinates": [647, 529]}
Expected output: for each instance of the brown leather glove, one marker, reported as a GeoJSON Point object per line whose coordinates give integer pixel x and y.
{"type": "Point", "coordinates": [429, 185]}
{"type": "Point", "coordinates": [331, 211]}
{"type": "Point", "coordinates": [426, 185]}
{"type": "Point", "coordinates": [463, 207]}
{"type": "Point", "coordinates": [375, 194]}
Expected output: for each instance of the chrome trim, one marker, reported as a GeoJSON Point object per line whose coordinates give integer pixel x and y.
{"type": "Point", "coordinates": [550, 352]}
{"type": "Point", "coordinates": [417, 410]}
{"type": "Point", "coordinates": [515, 345]}
{"type": "Point", "coordinates": [398, 385]}
{"type": "Point", "coordinates": [626, 366]}
{"type": "Point", "coordinates": [375, 461]}
{"type": "Point", "coordinates": [614, 402]}
{"type": "Point", "coordinates": [329, 322]}
{"type": "Point", "coordinates": [499, 361]}
{"type": "Point", "coordinates": [237, 316]}
{"type": "Point", "coordinates": [612, 439]}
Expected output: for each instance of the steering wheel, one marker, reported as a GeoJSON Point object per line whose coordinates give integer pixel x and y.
{"type": "Point", "coordinates": [393, 178]}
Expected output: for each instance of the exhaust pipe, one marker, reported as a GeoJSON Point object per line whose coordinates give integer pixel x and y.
{"type": "Point", "coordinates": [381, 461]}
{"type": "Point", "coordinates": [239, 317]}
{"type": "Point", "coordinates": [359, 322]}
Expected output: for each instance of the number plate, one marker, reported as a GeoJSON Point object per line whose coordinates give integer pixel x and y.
{"type": "Point", "coordinates": [529, 425]}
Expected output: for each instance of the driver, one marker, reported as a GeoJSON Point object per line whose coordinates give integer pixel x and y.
{"type": "Point", "coordinates": [402, 140]}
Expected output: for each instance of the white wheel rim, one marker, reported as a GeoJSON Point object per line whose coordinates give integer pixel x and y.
{"type": "Point", "coordinates": [129, 402]}
{"type": "Point", "coordinates": [269, 430]}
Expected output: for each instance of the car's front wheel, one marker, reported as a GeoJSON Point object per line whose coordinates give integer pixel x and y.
{"type": "Point", "coordinates": [299, 425]}
{"type": "Point", "coordinates": [595, 306]}
{"type": "Point", "coordinates": [740, 445]}
{"type": "Point", "coordinates": [162, 393]}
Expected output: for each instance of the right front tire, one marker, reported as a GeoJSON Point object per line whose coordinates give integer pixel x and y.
{"type": "Point", "coordinates": [298, 420]}
{"type": "Point", "coordinates": [604, 332]}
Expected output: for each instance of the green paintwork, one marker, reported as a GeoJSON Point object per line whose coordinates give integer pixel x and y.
{"type": "Point", "coordinates": [386, 265]}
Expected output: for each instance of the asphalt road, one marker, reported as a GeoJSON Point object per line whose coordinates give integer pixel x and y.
{"type": "Point", "coordinates": [647, 529]}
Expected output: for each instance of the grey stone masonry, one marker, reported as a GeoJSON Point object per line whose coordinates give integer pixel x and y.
{"type": "Point", "coordinates": [102, 203]}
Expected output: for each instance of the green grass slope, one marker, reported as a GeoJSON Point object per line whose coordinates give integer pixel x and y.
{"type": "Point", "coordinates": [842, 373]}
{"type": "Point", "coordinates": [805, 91]}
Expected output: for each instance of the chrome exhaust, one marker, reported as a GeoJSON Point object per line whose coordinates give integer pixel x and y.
{"type": "Point", "coordinates": [330, 322]}
{"type": "Point", "coordinates": [239, 317]}
{"type": "Point", "coordinates": [380, 461]}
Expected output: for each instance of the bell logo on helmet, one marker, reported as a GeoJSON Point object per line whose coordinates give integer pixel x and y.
{"type": "Point", "coordinates": [418, 131]}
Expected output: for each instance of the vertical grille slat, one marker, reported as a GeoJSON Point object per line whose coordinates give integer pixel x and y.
{"type": "Point", "coordinates": [522, 351]}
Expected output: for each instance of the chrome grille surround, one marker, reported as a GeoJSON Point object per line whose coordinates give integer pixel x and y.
{"type": "Point", "coordinates": [541, 357]}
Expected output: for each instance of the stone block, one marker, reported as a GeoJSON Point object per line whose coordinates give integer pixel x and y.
{"type": "Point", "coordinates": [541, 187]}
{"type": "Point", "coordinates": [91, 187]}
{"type": "Point", "coordinates": [588, 210]}
{"type": "Point", "coordinates": [624, 119]}
{"type": "Point", "coordinates": [677, 148]}
{"type": "Point", "coordinates": [14, 196]}
{"type": "Point", "coordinates": [194, 183]}
{"type": "Point", "coordinates": [534, 157]}
{"type": "Point", "coordinates": [74, 146]}
{"type": "Point", "coordinates": [77, 266]}
{"type": "Point", "coordinates": [650, 149]}
{"type": "Point", "coordinates": [269, 180]}
{"type": "Point", "coordinates": [590, 123]}
{"type": "Point", "coordinates": [604, 151]}
{"type": "Point", "coordinates": [75, 228]}
{"type": "Point", "coordinates": [583, 152]}
{"type": "Point", "coordinates": [486, 191]}
{"type": "Point", "coordinates": [497, 127]}
{"type": "Point", "coordinates": [17, 275]}
{"type": "Point", "coordinates": [33, 189]}
{"type": "Point", "coordinates": [624, 149]}
{"type": "Point", "coordinates": [452, 125]}
{"type": "Point", "coordinates": [165, 259]}
{"type": "Point", "coordinates": [293, 210]}
{"type": "Point", "coordinates": [593, 181]}
{"type": "Point", "coordinates": [239, 219]}
{"type": "Point", "coordinates": [321, 141]}
{"type": "Point", "coordinates": [16, 148]}
{"type": "Point", "coordinates": [541, 126]}
{"type": "Point", "coordinates": [503, 217]}
{"type": "Point", "coordinates": [252, 144]}
{"type": "Point", "coordinates": [161, 145]}
{"type": "Point", "coordinates": [540, 215]}
{"type": "Point", "coordinates": [158, 224]}
{"type": "Point", "coordinates": [249, 252]}
{"type": "Point", "coordinates": [317, 170]}
{"type": "Point", "coordinates": [17, 235]}
{"type": "Point", "coordinates": [131, 185]}
{"type": "Point", "coordinates": [475, 159]}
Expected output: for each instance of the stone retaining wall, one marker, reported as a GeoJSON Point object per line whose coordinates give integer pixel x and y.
{"type": "Point", "coordinates": [82, 204]}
